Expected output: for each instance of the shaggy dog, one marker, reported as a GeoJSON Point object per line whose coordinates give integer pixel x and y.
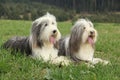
{"type": "Point", "coordinates": [79, 46]}
{"type": "Point", "coordinates": [42, 42]}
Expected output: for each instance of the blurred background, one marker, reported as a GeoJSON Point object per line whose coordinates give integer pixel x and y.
{"type": "Point", "coordinates": [64, 10]}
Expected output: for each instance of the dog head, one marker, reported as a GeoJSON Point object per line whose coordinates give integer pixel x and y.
{"type": "Point", "coordinates": [44, 30]}
{"type": "Point", "coordinates": [83, 32]}
{"type": "Point", "coordinates": [89, 34]}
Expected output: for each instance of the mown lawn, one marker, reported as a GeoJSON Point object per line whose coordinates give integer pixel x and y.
{"type": "Point", "coordinates": [20, 67]}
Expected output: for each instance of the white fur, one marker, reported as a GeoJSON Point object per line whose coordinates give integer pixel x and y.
{"type": "Point", "coordinates": [49, 54]}
{"type": "Point", "coordinates": [46, 53]}
{"type": "Point", "coordinates": [61, 60]}
{"type": "Point", "coordinates": [88, 27]}
{"type": "Point", "coordinates": [85, 53]}
{"type": "Point", "coordinates": [52, 25]}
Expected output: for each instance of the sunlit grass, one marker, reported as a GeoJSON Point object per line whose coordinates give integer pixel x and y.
{"type": "Point", "coordinates": [20, 67]}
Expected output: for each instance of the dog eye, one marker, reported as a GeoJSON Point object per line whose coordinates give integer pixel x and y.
{"type": "Point", "coordinates": [53, 23]}
{"type": "Point", "coordinates": [46, 24]}
{"type": "Point", "coordinates": [84, 27]}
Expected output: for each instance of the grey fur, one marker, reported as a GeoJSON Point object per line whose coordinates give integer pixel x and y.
{"type": "Point", "coordinates": [62, 51]}
{"type": "Point", "coordinates": [18, 44]}
{"type": "Point", "coordinates": [23, 44]}
{"type": "Point", "coordinates": [74, 43]}
{"type": "Point", "coordinates": [75, 38]}
{"type": "Point", "coordinates": [35, 31]}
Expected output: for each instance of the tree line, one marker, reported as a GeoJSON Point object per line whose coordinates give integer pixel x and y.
{"type": "Point", "coordinates": [86, 5]}
{"type": "Point", "coordinates": [62, 9]}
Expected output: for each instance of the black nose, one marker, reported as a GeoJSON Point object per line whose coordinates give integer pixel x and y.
{"type": "Point", "coordinates": [91, 32]}
{"type": "Point", "coordinates": [54, 31]}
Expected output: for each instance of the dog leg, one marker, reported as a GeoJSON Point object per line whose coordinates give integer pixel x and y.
{"type": "Point", "coordinates": [61, 60]}
{"type": "Point", "coordinates": [98, 60]}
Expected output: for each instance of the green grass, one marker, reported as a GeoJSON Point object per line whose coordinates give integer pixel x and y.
{"type": "Point", "coordinates": [20, 67]}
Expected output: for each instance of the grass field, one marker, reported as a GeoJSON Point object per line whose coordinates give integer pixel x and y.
{"type": "Point", "coordinates": [20, 67]}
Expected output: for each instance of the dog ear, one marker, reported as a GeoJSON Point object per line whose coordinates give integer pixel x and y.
{"type": "Point", "coordinates": [75, 38]}
{"type": "Point", "coordinates": [35, 32]}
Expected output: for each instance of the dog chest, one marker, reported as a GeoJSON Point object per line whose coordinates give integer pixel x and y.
{"type": "Point", "coordinates": [45, 53]}
{"type": "Point", "coordinates": [86, 52]}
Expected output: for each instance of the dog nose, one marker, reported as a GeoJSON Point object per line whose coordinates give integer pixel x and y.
{"type": "Point", "coordinates": [92, 32]}
{"type": "Point", "coordinates": [54, 31]}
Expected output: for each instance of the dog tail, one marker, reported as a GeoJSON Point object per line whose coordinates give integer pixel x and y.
{"type": "Point", "coordinates": [18, 44]}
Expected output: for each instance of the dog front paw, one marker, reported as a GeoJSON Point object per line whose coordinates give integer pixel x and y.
{"type": "Point", "coordinates": [61, 60]}
{"type": "Point", "coordinates": [105, 62]}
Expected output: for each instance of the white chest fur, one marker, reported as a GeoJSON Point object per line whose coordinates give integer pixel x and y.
{"type": "Point", "coordinates": [86, 52]}
{"type": "Point", "coordinates": [46, 53]}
